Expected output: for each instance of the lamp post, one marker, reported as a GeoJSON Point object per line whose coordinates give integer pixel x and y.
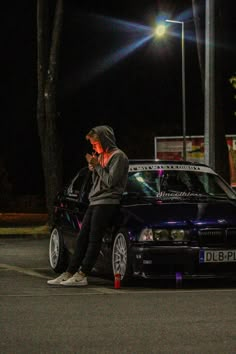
{"type": "Point", "coordinates": [183, 85]}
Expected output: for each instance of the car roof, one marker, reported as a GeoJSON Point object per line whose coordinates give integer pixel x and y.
{"type": "Point", "coordinates": [152, 164]}
{"type": "Point", "coordinates": [165, 162]}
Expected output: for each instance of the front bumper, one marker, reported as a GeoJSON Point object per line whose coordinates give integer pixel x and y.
{"type": "Point", "coordinates": [167, 262]}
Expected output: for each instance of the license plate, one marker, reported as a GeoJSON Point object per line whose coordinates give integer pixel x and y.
{"type": "Point", "coordinates": [219, 256]}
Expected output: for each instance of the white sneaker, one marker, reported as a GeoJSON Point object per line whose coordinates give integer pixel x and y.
{"type": "Point", "coordinates": [64, 276]}
{"type": "Point", "coordinates": [77, 280]}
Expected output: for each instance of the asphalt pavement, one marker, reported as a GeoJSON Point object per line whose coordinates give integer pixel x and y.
{"type": "Point", "coordinates": [143, 318]}
{"type": "Point", "coordinates": [98, 319]}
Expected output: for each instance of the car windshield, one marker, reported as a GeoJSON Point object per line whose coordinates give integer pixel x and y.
{"type": "Point", "coordinates": [177, 183]}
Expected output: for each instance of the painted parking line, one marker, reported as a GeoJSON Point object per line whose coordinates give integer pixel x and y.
{"type": "Point", "coordinates": [34, 273]}
{"type": "Point", "coordinates": [114, 292]}
{"type": "Point", "coordinates": [161, 291]}
{"type": "Point", "coordinates": [96, 289]}
{"type": "Point", "coordinates": [23, 271]}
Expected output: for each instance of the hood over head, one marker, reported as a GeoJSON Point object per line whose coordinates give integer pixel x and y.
{"type": "Point", "coordinates": [106, 136]}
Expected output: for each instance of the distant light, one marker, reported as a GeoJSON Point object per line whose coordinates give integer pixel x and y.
{"type": "Point", "coordinates": [160, 30]}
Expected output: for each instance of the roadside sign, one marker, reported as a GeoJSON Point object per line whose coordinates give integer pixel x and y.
{"type": "Point", "coordinates": [171, 148]}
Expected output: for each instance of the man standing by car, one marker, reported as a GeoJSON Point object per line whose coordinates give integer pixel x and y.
{"type": "Point", "coordinates": [109, 176]}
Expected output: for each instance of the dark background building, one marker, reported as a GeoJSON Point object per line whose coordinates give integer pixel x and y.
{"type": "Point", "coordinates": [138, 94]}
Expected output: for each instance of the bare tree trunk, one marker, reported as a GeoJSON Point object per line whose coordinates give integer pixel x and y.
{"type": "Point", "coordinates": [51, 146]}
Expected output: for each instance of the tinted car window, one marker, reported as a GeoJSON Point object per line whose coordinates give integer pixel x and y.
{"type": "Point", "coordinates": [78, 182]}
{"type": "Point", "coordinates": [150, 183]}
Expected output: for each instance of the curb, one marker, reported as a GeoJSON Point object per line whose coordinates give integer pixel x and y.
{"type": "Point", "coordinates": [28, 231]}
{"type": "Point", "coordinates": [24, 236]}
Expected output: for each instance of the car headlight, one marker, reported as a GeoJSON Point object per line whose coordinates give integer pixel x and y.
{"type": "Point", "coordinates": [169, 235]}
{"type": "Point", "coordinates": [146, 235]}
{"type": "Point", "coordinates": [163, 235]}
{"type": "Point", "coordinates": [177, 235]}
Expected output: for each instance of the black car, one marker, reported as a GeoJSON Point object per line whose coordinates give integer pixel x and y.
{"type": "Point", "coordinates": [177, 220]}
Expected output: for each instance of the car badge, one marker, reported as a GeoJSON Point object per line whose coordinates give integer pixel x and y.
{"type": "Point", "coordinates": [222, 221]}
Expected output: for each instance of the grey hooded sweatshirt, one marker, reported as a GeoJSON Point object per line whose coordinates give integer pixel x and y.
{"type": "Point", "coordinates": [110, 176]}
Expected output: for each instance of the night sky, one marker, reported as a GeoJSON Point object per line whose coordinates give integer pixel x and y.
{"type": "Point", "coordinates": [139, 95]}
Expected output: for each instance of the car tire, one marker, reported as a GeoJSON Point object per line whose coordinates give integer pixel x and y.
{"type": "Point", "coordinates": [121, 263]}
{"type": "Point", "coordinates": [58, 254]}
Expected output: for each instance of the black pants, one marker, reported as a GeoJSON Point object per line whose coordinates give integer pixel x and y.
{"type": "Point", "coordinates": [88, 244]}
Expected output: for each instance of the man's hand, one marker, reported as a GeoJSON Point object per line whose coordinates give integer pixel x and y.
{"type": "Point", "coordinates": [92, 161]}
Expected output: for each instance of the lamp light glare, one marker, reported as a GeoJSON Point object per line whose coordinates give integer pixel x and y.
{"type": "Point", "coordinates": [160, 30]}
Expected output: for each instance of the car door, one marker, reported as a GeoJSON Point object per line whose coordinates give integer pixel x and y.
{"type": "Point", "coordinates": [75, 204]}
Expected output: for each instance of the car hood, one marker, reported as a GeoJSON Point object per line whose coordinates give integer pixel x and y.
{"type": "Point", "coordinates": [213, 213]}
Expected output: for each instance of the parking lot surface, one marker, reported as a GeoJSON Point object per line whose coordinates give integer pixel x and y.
{"type": "Point", "coordinates": [152, 317]}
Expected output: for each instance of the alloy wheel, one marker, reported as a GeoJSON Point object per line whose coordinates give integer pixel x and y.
{"type": "Point", "coordinates": [119, 255]}
{"type": "Point", "coordinates": [54, 248]}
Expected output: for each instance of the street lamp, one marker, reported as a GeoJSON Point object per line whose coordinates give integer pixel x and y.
{"type": "Point", "coordinates": [160, 30]}
{"type": "Point", "coordinates": [183, 85]}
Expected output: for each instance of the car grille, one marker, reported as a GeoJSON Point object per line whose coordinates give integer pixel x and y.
{"type": "Point", "coordinates": [231, 236]}
{"type": "Point", "coordinates": [217, 237]}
